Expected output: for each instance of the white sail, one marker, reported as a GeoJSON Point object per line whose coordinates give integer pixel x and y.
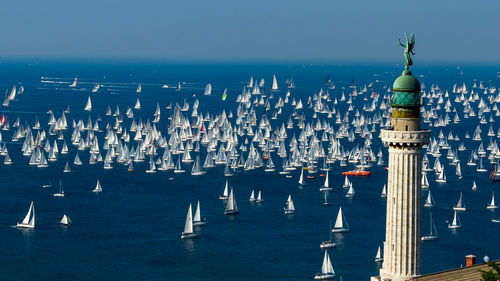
{"type": "Point", "coordinates": [98, 187]}
{"type": "Point", "coordinates": [327, 267]}
{"type": "Point", "coordinates": [197, 214]}
{"type": "Point", "coordinates": [188, 226]}
{"type": "Point", "coordinates": [29, 219]}
{"type": "Point", "coordinates": [12, 94]}
{"type": "Point", "coordinates": [275, 84]}
{"type": "Point", "coordinates": [88, 106]}
{"type": "Point", "coordinates": [326, 184]}
{"type": "Point", "coordinates": [378, 256]}
{"type": "Point", "coordinates": [231, 206]}
{"type": "Point", "coordinates": [384, 191]}
{"type": "Point", "coordinates": [259, 197]}
{"type": "Point", "coordinates": [456, 221]}
{"type": "Point", "coordinates": [290, 207]}
{"type": "Point", "coordinates": [442, 175]}
{"type": "Point", "coordinates": [301, 179]}
{"type": "Point", "coordinates": [208, 89]}
{"type": "Point", "coordinates": [340, 223]}
{"type": "Point", "coordinates": [460, 205]}
{"type": "Point", "coordinates": [429, 202]}
{"type": "Point", "coordinates": [350, 192]}
{"type": "Point", "coordinates": [252, 196]}
{"type": "Point", "coordinates": [346, 182]}
{"type": "Point", "coordinates": [492, 204]}
{"type": "Point", "coordinates": [225, 193]}
{"type": "Point", "coordinates": [65, 220]}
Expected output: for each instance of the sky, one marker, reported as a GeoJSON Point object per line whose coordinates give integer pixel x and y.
{"type": "Point", "coordinates": [322, 30]}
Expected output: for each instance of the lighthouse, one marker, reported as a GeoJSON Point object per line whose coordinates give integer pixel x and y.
{"type": "Point", "coordinates": [405, 138]}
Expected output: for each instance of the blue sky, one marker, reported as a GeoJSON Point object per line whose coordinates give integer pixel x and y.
{"type": "Point", "coordinates": [329, 30]}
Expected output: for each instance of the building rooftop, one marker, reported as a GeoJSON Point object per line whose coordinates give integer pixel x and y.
{"type": "Point", "coordinates": [469, 273]}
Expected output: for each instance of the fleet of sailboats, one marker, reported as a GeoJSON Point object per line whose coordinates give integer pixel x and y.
{"type": "Point", "coordinates": [247, 141]}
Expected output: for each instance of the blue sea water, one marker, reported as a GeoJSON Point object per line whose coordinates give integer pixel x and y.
{"type": "Point", "coordinates": [131, 231]}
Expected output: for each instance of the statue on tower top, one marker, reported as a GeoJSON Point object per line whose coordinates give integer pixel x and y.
{"type": "Point", "coordinates": [408, 49]}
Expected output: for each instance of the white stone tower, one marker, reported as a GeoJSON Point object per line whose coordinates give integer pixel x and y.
{"type": "Point", "coordinates": [402, 246]}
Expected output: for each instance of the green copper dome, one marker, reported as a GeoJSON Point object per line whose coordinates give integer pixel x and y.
{"type": "Point", "coordinates": [406, 91]}
{"type": "Point", "coordinates": [406, 83]}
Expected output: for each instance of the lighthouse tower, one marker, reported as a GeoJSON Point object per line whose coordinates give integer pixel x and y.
{"type": "Point", "coordinates": [402, 246]}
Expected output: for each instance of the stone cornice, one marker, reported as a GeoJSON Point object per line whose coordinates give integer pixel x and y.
{"type": "Point", "coordinates": [405, 138]}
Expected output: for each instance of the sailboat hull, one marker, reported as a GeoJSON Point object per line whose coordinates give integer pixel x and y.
{"type": "Point", "coordinates": [324, 277]}
{"type": "Point", "coordinates": [199, 223]}
{"type": "Point", "coordinates": [429, 237]}
{"type": "Point", "coordinates": [327, 244]}
{"type": "Point", "coordinates": [325, 189]}
{"type": "Point", "coordinates": [340, 230]}
{"type": "Point", "coordinates": [492, 207]}
{"type": "Point", "coordinates": [189, 235]}
{"type": "Point", "coordinates": [24, 225]}
{"type": "Point", "coordinates": [231, 212]}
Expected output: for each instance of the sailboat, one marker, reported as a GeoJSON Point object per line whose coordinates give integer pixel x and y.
{"type": "Point", "coordinates": [225, 193]}
{"type": "Point", "coordinates": [208, 90]}
{"type": "Point", "coordinates": [327, 271]}
{"type": "Point", "coordinates": [442, 176]}
{"type": "Point", "coordinates": [231, 206]}
{"type": "Point", "coordinates": [29, 219]}
{"type": "Point", "coordinates": [178, 167]}
{"type": "Point", "coordinates": [188, 227]}
{"type": "Point", "coordinates": [433, 233]}
{"type": "Point", "coordinates": [378, 256]}
{"type": "Point", "coordinates": [492, 204]}
{"type": "Point", "coordinates": [474, 186]}
{"type": "Point", "coordinates": [67, 169]}
{"type": "Point", "coordinates": [289, 207]}
{"type": "Point", "coordinates": [429, 202]}
{"type": "Point", "coordinates": [196, 169]}
{"type": "Point", "coordinates": [61, 191]}
{"type": "Point", "coordinates": [350, 192]}
{"type": "Point", "coordinates": [88, 106]}
{"type": "Point", "coordinates": [329, 243]}
{"type": "Point", "coordinates": [326, 203]}
{"type": "Point", "coordinates": [301, 178]}
{"type": "Point", "coordinates": [66, 221]}
{"type": "Point", "coordinates": [197, 216]}
{"type": "Point", "coordinates": [259, 197]}
{"type": "Point", "coordinates": [384, 191]}
{"type": "Point", "coordinates": [325, 186]}
{"type": "Point", "coordinates": [252, 197]}
{"type": "Point", "coordinates": [456, 222]}
{"type": "Point", "coordinates": [460, 205]}
{"type": "Point", "coordinates": [425, 181]}
{"type": "Point", "coordinates": [98, 187]}
{"type": "Point", "coordinates": [341, 223]}
{"type": "Point", "coordinates": [274, 86]}
{"type": "Point", "coordinates": [346, 182]}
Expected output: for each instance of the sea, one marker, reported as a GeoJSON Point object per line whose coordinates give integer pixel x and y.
{"type": "Point", "coordinates": [131, 230]}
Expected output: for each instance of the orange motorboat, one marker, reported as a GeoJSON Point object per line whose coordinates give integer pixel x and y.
{"type": "Point", "coordinates": [358, 173]}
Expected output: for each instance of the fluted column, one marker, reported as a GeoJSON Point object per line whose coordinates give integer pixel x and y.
{"type": "Point", "coordinates": [402, 249]}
